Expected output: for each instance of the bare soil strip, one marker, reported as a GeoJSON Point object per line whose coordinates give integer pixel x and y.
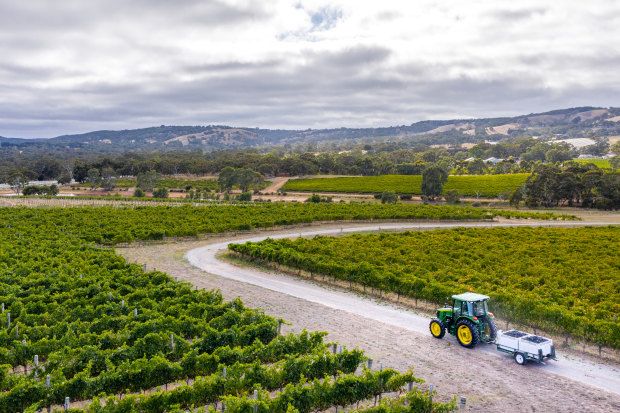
{"type": "Point", "coordinates": [396, 337]}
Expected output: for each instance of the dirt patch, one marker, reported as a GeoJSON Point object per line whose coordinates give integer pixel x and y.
{"type": "Point", "coordinates": [501, 129]}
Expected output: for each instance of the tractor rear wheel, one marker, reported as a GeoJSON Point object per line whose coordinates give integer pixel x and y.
{"type": "Point", "coordinates": [467, 334]}
{"type": "Point", "coordinates": [438, 328]}
{"type": "Point", "coordinates": [490, 330]}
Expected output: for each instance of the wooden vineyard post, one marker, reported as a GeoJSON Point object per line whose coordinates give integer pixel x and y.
{"type": "Point", "coordinates": [48, 385]}
{"type": "Point", "coordinates": [430, 388]}
{"type": "Point", "coordinates": [380, 381]}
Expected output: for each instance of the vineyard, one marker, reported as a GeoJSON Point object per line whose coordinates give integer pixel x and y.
{"type": "Point", "coordinates": [166, 182]}
{"type": "Point", "coordinates": [488, 186]}
{"type": "Point", "coordinates": [112, 225]}
{"type": "Point", "coordinates": [78, 321]}
{"type": "Point", "coordinates": [600, 163]}
{"type": "Point", "coordinates": [565, 281]}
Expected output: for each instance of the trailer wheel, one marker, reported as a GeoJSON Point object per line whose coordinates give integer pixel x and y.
{"type": "Point", "coordinates": [520, 358]}
{"type": "Point", "coordinates": [438, 328]}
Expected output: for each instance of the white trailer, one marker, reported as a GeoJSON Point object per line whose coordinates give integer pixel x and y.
{"type": "Point", "coordinates": [525, 346]}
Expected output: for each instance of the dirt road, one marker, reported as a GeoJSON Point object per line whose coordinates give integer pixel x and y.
{"type": "Point", "coordinates": [396, 337]}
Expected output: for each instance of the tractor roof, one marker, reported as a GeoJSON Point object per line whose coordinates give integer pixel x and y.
{"type": "Point", "coordinates": [470, 297]}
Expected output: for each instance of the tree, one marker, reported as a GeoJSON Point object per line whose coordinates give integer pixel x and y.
{"type": "Point", "coordinates": [433, 180]}
{"type": "Point", "coordinates": [476, 167]}
{"type": "Point", "coordinates": [148, 180]}
{"type": "Point", "coordinates": [609, 188]}
{"type": "Point", "coordinates": [47, 168]}
{"type": "Point", "coordinates": [247, 178]}
{"type": "Point", "coordinates": [558, 154]}
{"type": "Point", "coordinates": [94, 177]}
{"type": "Point", "coordinates": [615, 162]}
{"type": "Point", "coordinates": [226, 179]}
{"type": "Point", "coordinates": [600, 148]}
{"type": "Point", "coordinates": [138, 193]}
{"type": "Point", "coordinates": [108, 179]}
{"type": "Point", "coordinates": [516, 197]}
{"type": "Point", "coordinates": [17, 181]}
{"type": "Point", "coordinates": [80, 172]}
{"type": "Point", "coordinates": [64, 179]}
{"type": "Point", "coordinates": [590, 181]}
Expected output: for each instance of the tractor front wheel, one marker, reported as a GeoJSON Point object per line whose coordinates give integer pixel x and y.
{"type": "Point", "coordinates": [438, 328]}
{"type": "Point", "coordinates": [467, 334]}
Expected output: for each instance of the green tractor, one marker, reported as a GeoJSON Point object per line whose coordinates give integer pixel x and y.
{"type": "Point", "coordinates": [468, 319]}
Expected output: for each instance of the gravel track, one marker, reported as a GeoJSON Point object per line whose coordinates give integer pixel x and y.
{"type": "Point", "coordinates": [396, 337]}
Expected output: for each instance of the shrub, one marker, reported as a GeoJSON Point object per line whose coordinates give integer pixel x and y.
{"type": "Point", "coordinates": [389, 197]}
{"type": "Point", "coordinates": [452, 197]}
{"type": "Point", "coordinates": [244, 196]}
{"type": "Point", "coordinates": [316, 198]}
{"type": "Point", "coordinates": [604, 203]}
{"type": "Point", "coordinates": [160, 193]}
{"type": "Point", "coordinates": [139, 193]}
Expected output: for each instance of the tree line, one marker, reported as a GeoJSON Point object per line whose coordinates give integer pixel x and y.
{"type": "Point", "coordinates": [571, 185]}
{"type": "Point", "coordinates": [520, 156]}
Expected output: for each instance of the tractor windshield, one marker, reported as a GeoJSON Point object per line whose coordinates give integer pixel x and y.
{"type": "Point", "coordinates": [479, 308]}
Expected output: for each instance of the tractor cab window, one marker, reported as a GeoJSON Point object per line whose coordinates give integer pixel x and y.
{"type": "Point", "coordinates": [465, 308]}
{"type": "Point", "coordinates": [479, 308]}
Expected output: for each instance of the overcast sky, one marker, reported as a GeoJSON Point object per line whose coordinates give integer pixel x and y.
{"type": "Point", "coordinates": [71, 66]}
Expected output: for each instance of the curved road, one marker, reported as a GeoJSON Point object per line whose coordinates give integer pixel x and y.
{"type": "Point", "coordinates": [604, 376]}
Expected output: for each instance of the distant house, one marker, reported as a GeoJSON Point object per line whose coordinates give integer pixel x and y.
{"type": "Point", "coordinates": [470, 159]}
{"type": "Point", "coordinates": [493, 160]}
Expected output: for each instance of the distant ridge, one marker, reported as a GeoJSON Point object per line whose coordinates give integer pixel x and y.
{"type": "Point", "coordinates": [213, 137]}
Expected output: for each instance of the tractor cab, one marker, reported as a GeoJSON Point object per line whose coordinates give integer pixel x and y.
{"type": "Point", "coordinates": [468, 318]}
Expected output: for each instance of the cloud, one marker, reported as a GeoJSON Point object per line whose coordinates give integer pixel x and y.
{"type": "Point", "coordinates": [75, 66]}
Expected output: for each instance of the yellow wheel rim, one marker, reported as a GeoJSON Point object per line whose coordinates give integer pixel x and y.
{"type": "Point", "coordinates": [435, 329]}
{"type": "Point", "coordinates": [464, 334]}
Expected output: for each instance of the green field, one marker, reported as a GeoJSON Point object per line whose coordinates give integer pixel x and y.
{"type": "Point", "coordinates": [167, 182]}
{"type": "Point", "coordinates": [600, 163]}
{"type": "Point", "coordinates": [565, 280]}
{"type": "Point", "coordinates": [488, 186]}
